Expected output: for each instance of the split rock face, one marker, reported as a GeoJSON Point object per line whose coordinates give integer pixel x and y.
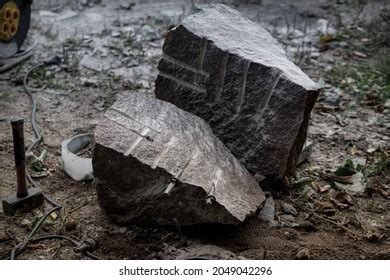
{"type": "Point", "coordinates": [157, 164]}
{"type": "Point", "coordinates": [231, 72]}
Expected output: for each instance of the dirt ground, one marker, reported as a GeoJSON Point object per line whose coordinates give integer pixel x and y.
{"type": "Point", "coordinates": [110, 46]}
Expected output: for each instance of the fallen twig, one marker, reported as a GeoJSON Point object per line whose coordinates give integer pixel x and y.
{"type": "Point", "coordinates": [335, 223]}
{"type": "Point", "coordinates": [326, 219]}
{"type": "Point", "coordinates": [340, 179]}
{"type": "Point", "coordinates": [78, 207]}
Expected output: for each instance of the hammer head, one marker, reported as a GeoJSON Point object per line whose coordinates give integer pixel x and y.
{"type": "Point", "coordinates": [32, 200]}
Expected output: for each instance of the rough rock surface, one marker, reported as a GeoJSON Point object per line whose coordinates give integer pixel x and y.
{"type": "Point", "coordinates": [155, 163]}
{"type": "Point", "coordinates": [267, 213]}
{"type": "Point", "coordinates": [232, 73]}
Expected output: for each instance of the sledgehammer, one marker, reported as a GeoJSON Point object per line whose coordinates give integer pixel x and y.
{"type": "Point", "coordinates": [25, 199]}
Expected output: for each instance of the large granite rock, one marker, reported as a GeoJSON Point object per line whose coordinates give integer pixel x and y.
{"type": "Point", "coordinates": [155, 163]}
{"type": "Point", "coordinates": [232, 73]}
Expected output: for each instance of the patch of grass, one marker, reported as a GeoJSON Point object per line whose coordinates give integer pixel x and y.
{"type": "Point", "coordinates": [43, 76]}
{"type": "Point", "coordinates": [372, 38]}
{"type": "Point", "coordinates": [380, 28]}
{"type": "Point", "coordinates": [385, 69]}
{"type": "Point", "coordinates": [378, 164]}
{"type": "Point", "coordinates": [370, 81]}
{"type": "Point", "coordinates": [73, 44]}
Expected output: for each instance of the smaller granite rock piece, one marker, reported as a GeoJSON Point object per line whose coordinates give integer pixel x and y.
{"type": "Point", "coordinates": [267, 213]}
{"type": "Point", "coordinates": [157, 164]}
{"type": "Point", "coordinates": [358, 186]}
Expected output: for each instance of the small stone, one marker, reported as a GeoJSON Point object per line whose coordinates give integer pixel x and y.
{"type": "Point", "coordinates": [70, 225]}
{"type": "Point", "coordinates": [331, 97]}
{"type": "Point", "coordinates": [289, 209]}
{"type": "Point", "coordinates": [275, 224]}
{"type": "Point", "coordinates": [259, 178]}
{"type": "Point", "coordinates": [122, 230]}
{"type": "Point", "coordinates": [88, 82]}
{"type": "Point", "coordinates": [387, 104]}
{"type": "Point", "coordinates": [290, 234]}
{"type": "Point", "coordinates": [360, 54]}
{"type": "Point", "coordinates": [343, 45]}
{"type": "Point", "coordinates": [315, 55]}
{"type": "Point", "coordinates": [303, 254]}
{"type": "Point", "coordinates": [126, 4]}
{"type": "Point", "coordinates": [287, 218]}
{"type": "Point", "coordinates": [200, 251]}
{"type": "Point", "coordinates": [115, 34]}
{"type": "Point", "coordinates": [267, 194]}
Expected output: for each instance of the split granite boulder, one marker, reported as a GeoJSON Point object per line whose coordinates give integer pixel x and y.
{"type": "Point", "coordinates": [231, 72]}
{"type": "Point", "coordinates": [155, 163]}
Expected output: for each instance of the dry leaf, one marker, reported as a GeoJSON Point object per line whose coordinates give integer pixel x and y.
{"type": "Point", "coordinates": [335, 178]}
{"type": "Point", "coordinates": [324, 188]}
{"type": "Point", "coordinates": [311, 194]}
{"type": "Point", "coordinates": [324, 208]}
{"type": "Point", "coordinates": [341, 199]}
